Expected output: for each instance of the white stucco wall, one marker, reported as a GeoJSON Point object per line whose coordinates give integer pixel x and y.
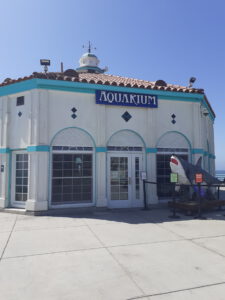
{"type": "Point", "coordinates": [46, 112]}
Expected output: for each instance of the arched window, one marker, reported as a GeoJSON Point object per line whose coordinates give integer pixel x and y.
{"type": "Point", "coordinates": [72, 167]}
{"type": "Point", "coordinates": [168, 144]}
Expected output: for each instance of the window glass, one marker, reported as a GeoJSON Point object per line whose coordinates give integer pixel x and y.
{"type": "Point", "coordinates": [21, 188]}
{"type": "Point", "coordinates": [72, 178]}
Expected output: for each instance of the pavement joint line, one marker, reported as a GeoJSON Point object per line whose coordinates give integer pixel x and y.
{"type": "Point", "coordinates": [206, 248]}
{"type": "Point", "coordinates": [118, 263]}
{"type": "Point", "coordinates": [103, 247]}
{"type": "Point", "coordinates": [171, 231]}
{"type": "Point", "coordinates": [87, 249]}
{"type": "Point", "coordinates": [49, 253]}
{"type": "Point", "coordinates": [48, 228]}
{"type": "Point", "coordinates": [208, 237]}
{"type": "Point", "coordinates": [3, 251]}
{"type": "Point", "coordinates": [192, 240]}
{"type": "Point", "coordinates": [177, 291]}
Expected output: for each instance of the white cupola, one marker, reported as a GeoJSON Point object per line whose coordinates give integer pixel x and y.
{"type": "Point", "coordinates": [89, 63]}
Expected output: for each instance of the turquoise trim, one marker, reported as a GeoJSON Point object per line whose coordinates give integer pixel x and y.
{"type": "Point", "coordinates": [180, 133]}
{"type": "Point", "coordinates": [90, 68]}
{"type": "Point", "coordinates": [177, 132]}
{"type": "Point", "coordinates": [129, 131]}
{"type": "Point", "coordinates": [90, 88]}
{"type": "Point", "coordinates": [94, 165]}
{"type": "Point", "coordinates": [197, 151]}
{"type": "Point", "coordinates": [101, 149]}
{"type": "Point", "coordinates": [151, 150]}
{"type": "Point", "coordinates": [212, 156]}
{"type": "Point", "coordinates": [18, 149]}
{"type": "Point", "coordinates": [40, 148]}
{"type": "Point", "coordinates": [9, 180]}
{"type": "Point", "coordinates": [94, 144]}
{"type": "Point", "coordinates": [18, 87]}
{"type": "Point", "coordinates": [4, 150]}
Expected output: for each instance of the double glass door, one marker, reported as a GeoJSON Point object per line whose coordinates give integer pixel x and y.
{"type": "Point", "coordinates": [124, 183]}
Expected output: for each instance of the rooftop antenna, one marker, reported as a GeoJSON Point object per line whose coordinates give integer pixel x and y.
{"type": "Point", "coordinates": [89, 47]}
{"type": "Point", "coordinates": [45, 63]}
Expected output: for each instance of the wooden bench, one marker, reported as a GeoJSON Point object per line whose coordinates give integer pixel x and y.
{"type": "Point", "coordinates": [190, 207]}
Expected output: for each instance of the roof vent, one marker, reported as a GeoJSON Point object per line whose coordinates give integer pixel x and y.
{"type": "Point", "coordinates": [7, 80]}
{"type": "Point", "coordinates": [71, 73]}
{"type": "Point", "coordinates": [160, 83]}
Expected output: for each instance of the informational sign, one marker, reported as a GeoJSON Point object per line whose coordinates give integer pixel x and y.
{"type": "Point", "coordinates": [143, 175]}
{"type": "Point", "coordinates": [173, 177]}
{"type": "Point", "coordinates": [126, 99]}
{"type": "Point", "coordinates": [198, 178]}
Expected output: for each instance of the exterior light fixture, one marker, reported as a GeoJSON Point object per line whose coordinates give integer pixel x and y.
{"type": "Point", "coordinates": [45, 63]}
{"type": "Point", "coordinates": [191, 81]}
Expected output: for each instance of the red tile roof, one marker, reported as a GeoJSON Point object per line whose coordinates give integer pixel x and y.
{"type": "Point", "coordinates": [106, 79]}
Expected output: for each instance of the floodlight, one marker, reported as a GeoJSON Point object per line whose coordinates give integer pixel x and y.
{"type": "Point", "coordinates": [45, 63]}
{"type": "Point", "coordinates": [191, 81]}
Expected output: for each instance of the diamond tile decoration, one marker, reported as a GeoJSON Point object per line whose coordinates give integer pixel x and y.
{"type": "Point", "coordinates": [173, 121]}
{"type": "Point", "coordinates": [173, 116]}
{"type": "Point", "coordinates": [73, 116]}
{"type": "Point", "coordinates": [19, 114]}
{"type": "Point", "coordinates": [73, 109]}
{"type": "Point", "coordinates": [126, 116]}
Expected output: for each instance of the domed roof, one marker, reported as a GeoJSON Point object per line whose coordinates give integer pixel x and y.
{"type": "Point", "coordinates": [88, 63]}
{"type": "Point", "coordinates": [89, 55]}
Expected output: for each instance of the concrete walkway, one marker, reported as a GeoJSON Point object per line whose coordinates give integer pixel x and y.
{"type": "Point", "coordinates": [112, 255]}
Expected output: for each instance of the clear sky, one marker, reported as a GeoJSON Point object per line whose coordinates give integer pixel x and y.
{"type": "Point", "coordinates": [146, 39]}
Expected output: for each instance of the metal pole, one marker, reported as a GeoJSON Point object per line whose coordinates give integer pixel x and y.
{"type": "Point", "coordinates": [145, 199]}
{"type": "Point", "coordinates": [218, 192]}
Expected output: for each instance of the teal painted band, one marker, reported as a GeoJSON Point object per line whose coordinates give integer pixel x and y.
{"type": "Point", "coordinates": [212, 156]}
{"type": "Point", "coordinates": [197, 151]}
{"type": "Point", "coordinates": [101, 149]}
{"type": "Point", "coordinates": [41, 148]}
{"type": "Point", "coordinates": [90, 68]}
{"type": "Point", "coordinates": [151, 150]}
{"type": "Point", "coordinates": [4, 150]}
{"type": "Point", "coordinates": [90, 88]}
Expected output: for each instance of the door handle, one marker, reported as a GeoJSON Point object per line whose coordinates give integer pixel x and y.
{"type": "Point", "coordinates": [129, 180]}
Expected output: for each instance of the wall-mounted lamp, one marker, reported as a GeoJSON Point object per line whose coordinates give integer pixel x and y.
{"type": "Point", "coordinates": [204, 111]}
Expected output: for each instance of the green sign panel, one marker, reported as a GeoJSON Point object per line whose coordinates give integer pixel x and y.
{"type": "Point", "coordinates": [174, 177]}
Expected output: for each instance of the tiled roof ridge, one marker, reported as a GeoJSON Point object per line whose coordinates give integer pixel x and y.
{"type": "Point", "coordinates": [108, 79]}
{"type": "Point", "coordinates": [104, 79]}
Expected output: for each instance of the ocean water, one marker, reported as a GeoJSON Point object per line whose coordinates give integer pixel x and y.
{"type": "Point", "coordinates": [220, 174]}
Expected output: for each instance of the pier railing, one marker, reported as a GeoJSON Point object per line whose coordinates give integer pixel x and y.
{"type": "Point", "coordinates": [197, 189]}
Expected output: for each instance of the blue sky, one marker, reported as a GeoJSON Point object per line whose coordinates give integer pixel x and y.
{"type": "Point", "coordinates": [147, 39]}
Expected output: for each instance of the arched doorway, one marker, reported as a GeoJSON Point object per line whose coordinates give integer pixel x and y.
{"type": "Point", "coordinates": [72, 168]}
{"type": "Point", "coordinates": [125, 162]}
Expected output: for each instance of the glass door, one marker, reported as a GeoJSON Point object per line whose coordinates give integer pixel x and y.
{"type": "Point", "coordinates": [19, 192]}
{"type": "Point", "coordinates": [124, 187]}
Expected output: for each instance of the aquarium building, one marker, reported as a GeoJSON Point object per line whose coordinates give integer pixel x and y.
{"type": "Point", "coordinates": [84, 138]}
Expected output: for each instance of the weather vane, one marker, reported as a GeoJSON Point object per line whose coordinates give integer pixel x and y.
{"type": "Point", "coordinates": [89, 47]}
